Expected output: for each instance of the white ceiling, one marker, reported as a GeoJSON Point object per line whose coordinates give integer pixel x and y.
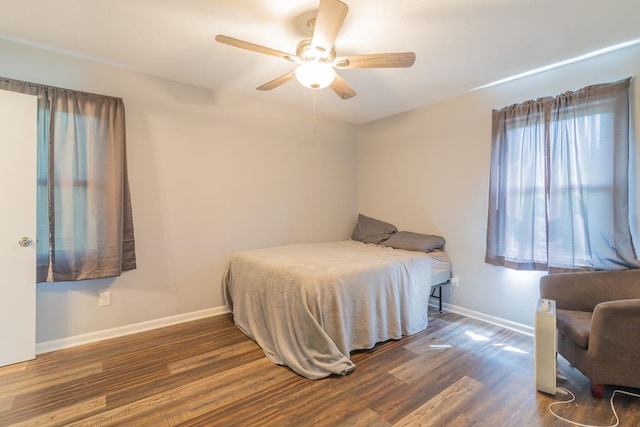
{"type": "Point", "coordinates": [459, 44]}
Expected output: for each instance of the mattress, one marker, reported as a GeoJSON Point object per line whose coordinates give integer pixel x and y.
{"type": "Point", "coordinates": [308, 305]}
{"type": "Point", "coordinates": [440, 267]}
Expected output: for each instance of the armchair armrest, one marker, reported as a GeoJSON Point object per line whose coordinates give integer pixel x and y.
{"type": "Point", "coordinates": [615, 330]}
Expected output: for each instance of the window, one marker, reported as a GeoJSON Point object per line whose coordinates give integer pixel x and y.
{"type": "Point", "coordinates": [85, 224]}
{"type": "Point", "coordinates": [558, 196]}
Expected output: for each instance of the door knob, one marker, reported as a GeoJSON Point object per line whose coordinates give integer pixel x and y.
{"type": "Point", "coordinates": [25, 241]}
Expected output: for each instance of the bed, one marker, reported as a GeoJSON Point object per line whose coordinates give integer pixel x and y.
{"type": "Point", "coordinates": [308, 305]}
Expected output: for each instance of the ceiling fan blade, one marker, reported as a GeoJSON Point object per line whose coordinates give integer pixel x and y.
{"type": "Point", "coordinates": [278, 81]}
{"type": "Point", "coordinates": [376, 60]}
{"type": "Point", "coordinates": [254, 47]}
{"type": "Point", "coordinates": [331, 14]}
{"type": "Point", "coordinates": [341, 88]}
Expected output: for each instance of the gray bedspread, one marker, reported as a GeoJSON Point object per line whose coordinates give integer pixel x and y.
{"type": "Point", "coordinates": [309, 305]}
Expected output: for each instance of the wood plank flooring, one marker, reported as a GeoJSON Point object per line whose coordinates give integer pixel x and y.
{"type": "Point", "coordinates": [458, 372]}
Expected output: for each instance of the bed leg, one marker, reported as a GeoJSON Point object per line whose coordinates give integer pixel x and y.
{"type": "Point", "coordinates": [438, 289]}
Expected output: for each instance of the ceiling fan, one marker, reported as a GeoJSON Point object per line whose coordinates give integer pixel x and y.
{"type": "Point", "coordinates": [316, 57]}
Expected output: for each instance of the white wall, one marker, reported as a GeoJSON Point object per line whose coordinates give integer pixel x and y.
{"type": "Point", "coordinates": [427, 170]}
{"type": "Point", "coordinates": [210, 174]}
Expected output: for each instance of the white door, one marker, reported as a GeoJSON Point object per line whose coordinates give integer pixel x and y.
{"type": "Point", "coordinates": [18, 114]}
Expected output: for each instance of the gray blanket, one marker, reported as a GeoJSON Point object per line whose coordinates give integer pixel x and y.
{"type": "Point", "coordinates": [309, 305]}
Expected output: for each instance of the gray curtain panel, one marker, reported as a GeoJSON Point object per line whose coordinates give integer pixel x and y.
{"type": "Point", "coordinates": [85, 222]}
{"type": "Point", "coordinates": [559, 185]}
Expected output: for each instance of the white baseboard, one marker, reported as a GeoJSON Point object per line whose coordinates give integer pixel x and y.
{"type": "Point", "coordinates": [507, 324]}
{"type": "Point", "coordinates": [47, 346]}
{"type": "Point", "coordinates": [59, 344]}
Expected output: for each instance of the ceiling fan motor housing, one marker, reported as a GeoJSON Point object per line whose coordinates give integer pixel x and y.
{"type": "Point", "coordinates": [308, 53]}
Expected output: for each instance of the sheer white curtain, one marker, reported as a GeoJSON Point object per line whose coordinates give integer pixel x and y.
{"type": "Point", "coordinates": [85, 223]}
{"type": "Point", "coordinates": [559, 194]}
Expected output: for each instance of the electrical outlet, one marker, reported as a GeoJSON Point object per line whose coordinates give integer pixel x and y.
{"type": "Point", "coordinates": [455, 281]}
{"type": "Point", "coordinates": [104, 299]}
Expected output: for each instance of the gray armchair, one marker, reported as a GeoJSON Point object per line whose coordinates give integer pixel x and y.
{"type": "Point", "coordinates": [598, 320]}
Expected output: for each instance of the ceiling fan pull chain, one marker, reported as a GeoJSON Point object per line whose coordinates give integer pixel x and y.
{"type": "Point", "coordinates": [314, 112]}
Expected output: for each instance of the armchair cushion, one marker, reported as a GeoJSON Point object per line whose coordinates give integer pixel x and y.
{"type": "Point", "coordinates": [575, 325]}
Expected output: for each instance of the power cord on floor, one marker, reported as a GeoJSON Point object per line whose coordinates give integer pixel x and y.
{"type": "Point", "coordinates": [573, 397]}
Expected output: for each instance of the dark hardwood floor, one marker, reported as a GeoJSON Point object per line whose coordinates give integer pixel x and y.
{"type": "Point", "coordinates": [458, 372]}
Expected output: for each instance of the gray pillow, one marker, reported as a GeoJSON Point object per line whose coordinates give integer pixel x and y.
{"type": "Point", "coordinates": [415, 241]}
{"type": "Point", "coordinates": [370, 230]}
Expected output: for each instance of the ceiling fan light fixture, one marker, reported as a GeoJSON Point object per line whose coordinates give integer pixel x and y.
{"type": "Point", "coordinates": [315, 75]}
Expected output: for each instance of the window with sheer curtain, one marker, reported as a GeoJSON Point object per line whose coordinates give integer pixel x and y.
{"type": "Point", "coordinates": [84, 216]}
{"type": "Point", "coordinates": [559, 185]}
